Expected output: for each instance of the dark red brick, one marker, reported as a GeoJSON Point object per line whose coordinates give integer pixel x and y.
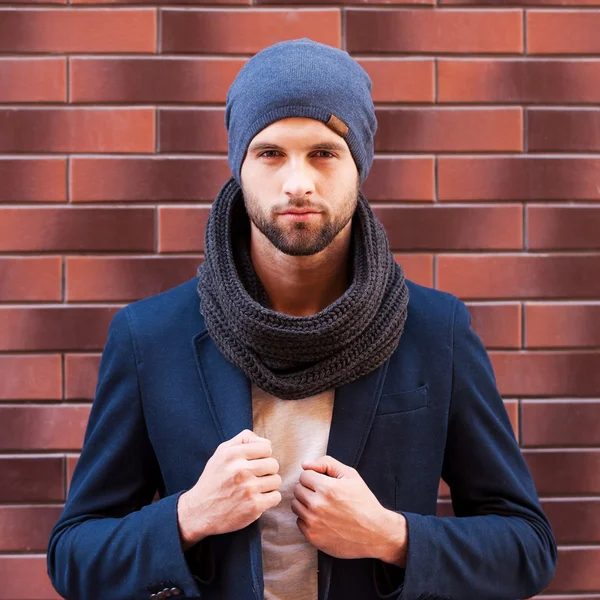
{"type": "Point", "coordinates": [546, 374]}
{"type": "Point", "coordinates": [434, 31]}
{"type": "Point", "coordinates": [32, 180]}
{"type": "Point", "coordinates": [152, 80]}
{"type": "Point", "coordinates": [518, 178]}
{"type": "Point", "coordinates": [245, 31]}
{"type": "Point", "coordinates": [125, 279]}
{"type": "Point", "coordinates": [562, 325]}
{"type": "Point", "coordinates": [561, 422]}
{"type": "Point", "coordinates": [31, 479]}
{"type": "Point", "coordinates": [147, 179]}
{"type": "Point", "coordinates": [563, 227]}
{"type": "Point", "coordinates": [520, 276]}
{"type": "Point", "coordinates": [449, 130]}
{"type": "Point", "coordinates": [443, 228]}
{"type": "Point", "coordinates": [60, 328]}
{"type": "Point", "coordinates": [72, 229]}
{"type": "Point", "coordinates": [530, 81]}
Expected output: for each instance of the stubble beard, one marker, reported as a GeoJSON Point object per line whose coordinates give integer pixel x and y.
{"type": "Point", "coordinates": [301, 238]}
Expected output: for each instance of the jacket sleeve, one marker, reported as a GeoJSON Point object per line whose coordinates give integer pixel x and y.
{"type": "Point", "coordinates": [500, 545]}
{"type": "Point", "coordinates": [110, 541]}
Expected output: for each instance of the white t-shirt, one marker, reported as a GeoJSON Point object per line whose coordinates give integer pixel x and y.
{"type": "Point", "coordinates": [298, 430]}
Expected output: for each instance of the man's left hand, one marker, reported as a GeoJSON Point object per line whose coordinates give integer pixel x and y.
{"type": "Point", "coordinates": [338, 514]}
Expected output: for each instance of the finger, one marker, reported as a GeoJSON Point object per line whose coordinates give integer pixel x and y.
{"type": "Point", "coordinates": [253, 450]}
{"type": "Point", "coordinates": [327, 465]}
{"type": "Point", "coordinates": [244, 437]}
{"type": "Point", "coordinates": [314, 481]}
{"type": "Point", "coordinates": [299, 509]}
{"type": "Point", "coordinates": [263, 466]}
{"type": "Point", "coordinates": [269, 500]}
{"type": "Point", "coordinates": [268, 483]}
{"type": "Point", "coordinates": [303, 494]}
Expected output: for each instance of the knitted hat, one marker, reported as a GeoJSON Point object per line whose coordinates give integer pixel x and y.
{"type": "Point", "coordinates": [301, 78]}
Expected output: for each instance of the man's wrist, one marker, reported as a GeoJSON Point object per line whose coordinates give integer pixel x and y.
{"type": "Point", "coordinates": [189, 531]}
{"type": "Point", "coordinates": [394, 546]}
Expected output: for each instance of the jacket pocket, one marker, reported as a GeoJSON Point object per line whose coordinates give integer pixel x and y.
{"type": "Point", "coordinates": [401, 402]}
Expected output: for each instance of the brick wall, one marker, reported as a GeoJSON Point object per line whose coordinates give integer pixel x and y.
{"type": "Point", "coordinates": [487, 179]}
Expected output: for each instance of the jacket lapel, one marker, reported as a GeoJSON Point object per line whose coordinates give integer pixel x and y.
{"type": "Point", "coordinates": [228, 392]}
{"type": "Point", "coordinates": [353, 413]}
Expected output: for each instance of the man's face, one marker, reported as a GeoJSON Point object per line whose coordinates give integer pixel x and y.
{"type": "Point", "coordinates": [299, 164]}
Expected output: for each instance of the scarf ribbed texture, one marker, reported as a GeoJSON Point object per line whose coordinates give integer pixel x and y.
{"type": "Point", "coordinates": [296, 357]}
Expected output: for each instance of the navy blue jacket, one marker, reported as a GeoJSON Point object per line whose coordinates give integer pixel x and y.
{"type": "Point", "coordinates": [167, 397]}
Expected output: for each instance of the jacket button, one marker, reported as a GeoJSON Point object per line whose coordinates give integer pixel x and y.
{"type": "Point", "coordinates": [175, 591]}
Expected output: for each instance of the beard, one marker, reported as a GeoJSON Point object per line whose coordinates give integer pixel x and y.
{"type": "Point", "coordinates": [301, 238]}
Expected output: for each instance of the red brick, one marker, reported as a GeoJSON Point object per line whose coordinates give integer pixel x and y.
{"type": "Point", "coordinates": [245, 31]}
{"type": "Point", "coordinates": [563, 32]}
{"type": "Point", "coordinates": [181, 229]}
{"type": "Point", "coordinates": [162, 2]}
{"type": "Point", "coordinates": [81, 376]}
{"type": "Point", "coordinates": [406, 179]}
{"type": "Point", "coordinates": [576, 570]}
{"type": "Point", "coordinates": [417, 267]}
{"type": "Point", "coordinates": [189, 80]}
{"type": "Point", "coordinates": [523, 3]}
{"type": "Point", "coordinates": [76, 229]}
{"type": "Point", "coordinates": [27, 527]}
{"type": "Point", "coordinates": [444, 227]}
{"type": "Point", "coordinates": [53, 427]}
{"type": "Point", "coordinates": [498, 325]}
{"type": "Point", "coordinates": [563, 129]}
{"type": "Point", "coordinates": [401, 79]}
{"type": "Point", "coordinates": [29, 377]}
{"type": "Point", "coordinates": [77, 130]}
{"type": "Point", "coordinates": [56, 328]}
{"type": "Point", "coordinates": [147, 179]}
{"type": "Point", "coordinates": [33, 180]}
{"type": "Point", "coordinates": [192, 130]}
{"type": "Point", "coordinates": [126, 279]}
{"type": "Point", "coordinates": [560, 472]}
{"type": "Point", "coordinates": [574, 521]}
{"type": "Point", "coordinates": [449, 130]}
{"type": "Point", "coordinates": [28, 279]}
{"type": "Point", "coordinates": [25, 578]}
{"type": "Point", "coordinates": [401, 30]}
{"type": "Point", "coordinates": [562, 325]}
{"type": "Point", "coordinates": [520, 276]}
{"type": "Point", "coordinates": [520, 81]}
{"type": "Point", "coordinates": [561, 423]}
{"type": "Point", "coordinates": [33, 79]}
{"type": "Point", "coordinates": [571, 374]}
{"type": "Point", "coordinates": [518, 178]}
{"type": "Point", "coordinates": [71, 463]}
{"type": "Point", "coordinates": [31, 479]}
{"type": "Point", "coordinates": [65, 30]}
{"type": "Point", "coordinates": [563, 227]}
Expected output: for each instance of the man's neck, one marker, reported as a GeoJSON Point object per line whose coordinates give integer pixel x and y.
{"type": "Point", "coordinates": [302, 285]}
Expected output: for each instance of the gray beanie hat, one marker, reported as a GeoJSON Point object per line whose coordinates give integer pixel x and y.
{"type": "Point", "coordinates": [301, 78]}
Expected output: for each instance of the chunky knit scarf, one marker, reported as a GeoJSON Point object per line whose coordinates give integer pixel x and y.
{"type": "Point", "coordinates": [294, 357]}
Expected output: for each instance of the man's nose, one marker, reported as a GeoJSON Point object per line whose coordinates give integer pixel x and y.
{"type": "Point", "coordinates": [298, 182]}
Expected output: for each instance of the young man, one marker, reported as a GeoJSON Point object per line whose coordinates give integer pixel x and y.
{"type": "Point", "coordinates": [296, 404]}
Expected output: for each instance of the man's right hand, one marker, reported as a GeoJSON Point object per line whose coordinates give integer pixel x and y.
{"type": "Point", "coordinates": [238, 484]}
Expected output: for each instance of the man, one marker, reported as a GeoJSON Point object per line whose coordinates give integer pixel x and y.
{"type": "Point", "coordinates": [296, 404]}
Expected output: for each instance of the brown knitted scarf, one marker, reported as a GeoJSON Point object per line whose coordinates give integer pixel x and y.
{"type": "Point", "coordinates": [296, 357]}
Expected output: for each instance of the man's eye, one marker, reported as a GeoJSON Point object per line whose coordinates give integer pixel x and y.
{"type": "Point", "coordinates": [322, 152]}
{"type": "Point", "coordinates": [269, 153]}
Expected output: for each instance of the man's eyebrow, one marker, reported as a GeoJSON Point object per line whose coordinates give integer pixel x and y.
{"type": "Point", "coordinates": [257, 146]}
